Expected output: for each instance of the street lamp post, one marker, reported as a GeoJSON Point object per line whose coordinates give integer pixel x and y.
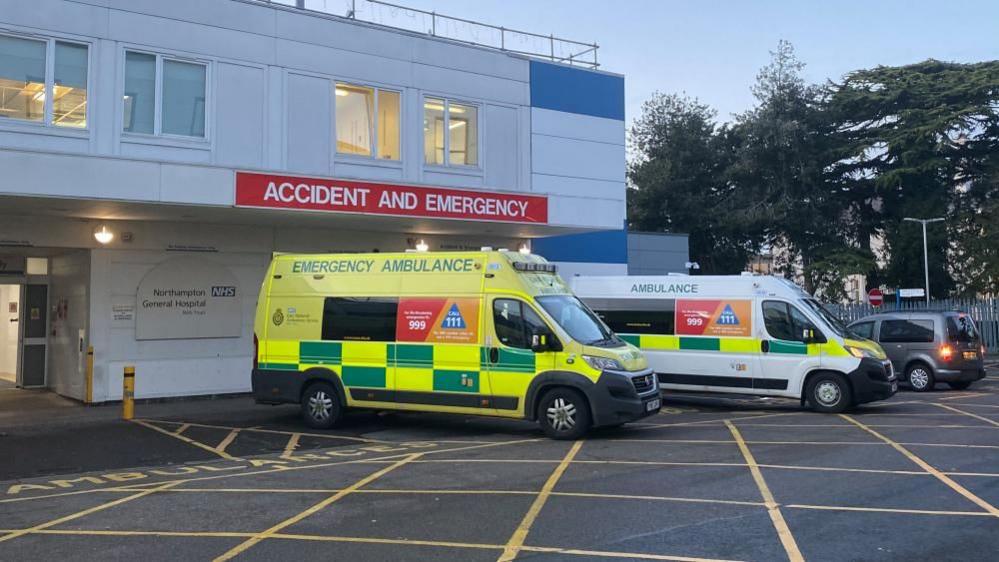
{"type": "Point", "coordinates": [926, 259]}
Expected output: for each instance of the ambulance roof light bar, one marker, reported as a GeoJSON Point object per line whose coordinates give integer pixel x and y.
{"type": "Point", "coordinates": [535, 267]}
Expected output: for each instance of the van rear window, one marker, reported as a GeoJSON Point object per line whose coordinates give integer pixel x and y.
{"type": "Point", "coordinates": [360, 319]}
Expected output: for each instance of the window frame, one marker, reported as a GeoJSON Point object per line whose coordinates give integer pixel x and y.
{"type": "Point", "coordinates": [479, 133]}
{"type": "Point", "coordinates": [158, 133]}
{"type": "Point", "coordinates": [47, 122]}
{"type": "Point", "coordinates": [373, 157]}
{"type": "Point", "coordinates": [821, 337]}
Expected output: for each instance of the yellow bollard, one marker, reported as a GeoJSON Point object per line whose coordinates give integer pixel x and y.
{"type": "Point", "coordinates": [89, 397]}
{"type": "Point", "coordinates": [128, 394]}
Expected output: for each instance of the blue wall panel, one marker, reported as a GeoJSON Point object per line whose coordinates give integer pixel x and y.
{"type": "Point", "coordinates": [564, 88]}
{"type": "Point", "coordinates": [609, 246]}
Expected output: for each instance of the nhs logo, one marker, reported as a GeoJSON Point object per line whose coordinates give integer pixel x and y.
{"type": "Point", "coordinates": [223, 291]}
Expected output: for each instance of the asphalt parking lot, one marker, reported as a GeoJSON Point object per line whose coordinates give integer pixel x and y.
{"type": "Point", "coordinates": [916, 477]}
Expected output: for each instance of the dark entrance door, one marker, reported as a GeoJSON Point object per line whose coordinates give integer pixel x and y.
{"type": "Point", "coordinates": [34, 318]}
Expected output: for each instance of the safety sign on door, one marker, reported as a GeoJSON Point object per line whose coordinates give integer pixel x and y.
{"type": "Point", "coordinates": [731, 318]}
{"type": "Point", "coordinates": [452, 320]}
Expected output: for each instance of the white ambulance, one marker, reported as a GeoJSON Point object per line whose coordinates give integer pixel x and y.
{"type": "Point", "coordinates": [742, 334]}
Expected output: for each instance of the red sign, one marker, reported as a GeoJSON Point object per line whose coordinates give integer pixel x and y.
{"type": "Point", "coordinates": [442, 320]}
{"type": "Point", "coordinates": [348, 196]}
{"type": "Point", "coordinates": [731, 318]}
{"type": "Point", "coordinates": [875, 297]}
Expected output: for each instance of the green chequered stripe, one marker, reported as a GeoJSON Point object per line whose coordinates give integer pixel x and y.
{"type": "Point", "coordinates": [321, 352]}
{"type": "Point", "coordinates": [279, 366]}
{"type": "Point", "coordinates": [456, 381]}
{"type": "Point", "coordinates": [371, 377]}
{"type": "Point", "coordinates": [788, 347]}
{"type": "Point", "coordinates": [633, 339]}
{"type": "Point", "coordinates": [700, 344]}
{"type": "Point", "coordinates": [510, 360]}
{"type": "Point", "coordinates": [417, 356]}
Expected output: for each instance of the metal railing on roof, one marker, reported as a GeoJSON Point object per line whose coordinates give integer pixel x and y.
{"type": "Point", "coordinates": [550, 47]}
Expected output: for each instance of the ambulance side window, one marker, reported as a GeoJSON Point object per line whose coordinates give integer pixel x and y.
{"type": "Point", "coordinates": [785, 322]}
{"type": "Point", "coordinates": [360, 319]}
{"type": "Point", "coordinates": [516, 322]}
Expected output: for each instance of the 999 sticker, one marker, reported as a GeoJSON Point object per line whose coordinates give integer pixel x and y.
{"type": "Point", "coordinates": [731, 318]}
{"type": "Point", "coordinates": [452, 320]}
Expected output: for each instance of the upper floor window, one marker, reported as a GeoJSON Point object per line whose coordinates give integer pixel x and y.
{"type": "Point", "coordinates": [367, 121]}
{"type": "Point", "coordinates": [43, 81]}
{"type": "Point", "coordinates": [164, 96]}
{"type": "Point", "coordinates": [450, 133]}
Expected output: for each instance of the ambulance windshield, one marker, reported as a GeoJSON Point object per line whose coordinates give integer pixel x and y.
{"type": "Point", "coordinates": [578, 321]}
{"type": "Point", "coordinates": [835, 324]}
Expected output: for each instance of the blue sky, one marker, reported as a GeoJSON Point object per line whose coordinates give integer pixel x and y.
{"type": "Point", "coordinates": [712, 49]}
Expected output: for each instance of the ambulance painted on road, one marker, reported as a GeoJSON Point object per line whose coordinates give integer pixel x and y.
{"type": "Point", "coordinates": [745, 334]}
{"type": "Point", "coordinates": [493, 333]}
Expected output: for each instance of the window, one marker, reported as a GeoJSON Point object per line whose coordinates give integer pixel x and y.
{"type": "Point", "coordinates": [785, 322]}
{"type": "Point", "coordinates": [367, 121]}
{"type": "Point", "coordinates": [450, 133]}
{"type": "Point", "coordinates": [578, 321]}
{"type": "Point", "coordinates": [864, 330]}
{"type": "Point", "coordinates": [960, 329]}
{"type": "Point", "coordinates": [360, 319]}
{"type": "Point", "coordinates": [516, 322]}
{"type": "Point", "coordinates": [637, 316]}
{"type": "Point", "coordinates": [29, 93]}
{"type": "Point", "coordinates": [164, 96]}
{"type": "Point", "coordinates": [907, 331]}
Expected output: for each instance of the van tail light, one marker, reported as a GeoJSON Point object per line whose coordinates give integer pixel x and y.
{"type": "Point", "coordinates": [946, 352]}
{"type": "Point", "coordinates": [256, 352]}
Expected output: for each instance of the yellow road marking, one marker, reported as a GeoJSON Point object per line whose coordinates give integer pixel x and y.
{"type": "Point", "coordinates": [227, 441]}
{"type": "Point", "coordinates": [182, 429]}
{"type": "Point", "coordinates": [960, 396]}
{"type": "Point", "coordinates": [249, 543]}
{"type": "Point", "coordinates": [969, 414]}
{"type": "Point", "coordinates": [84, 513]}
{"type": "Point", "coordinates": [889, 510]}
{"type": "Point", "coordinates": [701, 422]}
{"type": "Point", "coordinates": [928, 468]}
{"type": "Point", "coordinates": [654, 498]}
{"type": "Point", "coordinates": [289, 448]}
{"type": "Point", "coordinates": [979, 405]}
{"type": "Point", "coordinates": [947, 426]}
{"type": "Point", "coordinates": [783, 531]}
{"type": "Point", "coordinates": [187, 440]}
{"type": "Point", "coordinates": [375, 540]}
{"type": "Point", "coordinates": [837, 469]}
{"type": "Point", "coordinates": [516, 542]}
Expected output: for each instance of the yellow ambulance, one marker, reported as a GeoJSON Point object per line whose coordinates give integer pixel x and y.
{"type": "Point", "coordinates": [494, 333]}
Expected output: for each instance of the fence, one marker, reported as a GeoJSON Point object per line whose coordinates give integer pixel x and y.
{"type": "Point", "coordinates": [985, 313]}
{"type": "Point", "coordinates": [550, 47]}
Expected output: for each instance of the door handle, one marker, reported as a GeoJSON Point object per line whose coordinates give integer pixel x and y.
{"type": "Point", "coordinates": [765, 346]}
{"type": "Point", "coordinates": [494, 355]}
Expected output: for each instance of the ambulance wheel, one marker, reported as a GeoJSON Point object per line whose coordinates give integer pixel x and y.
{"type": "Point", "coordinates": [564, 414]}
{"type": "Point", "coordinates": [321, 408]}
{"type": "Point", "coordinates": [920, 377]}
{"type": "Point", "coordinates": [829, 393]}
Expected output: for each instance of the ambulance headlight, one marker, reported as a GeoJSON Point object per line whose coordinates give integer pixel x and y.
{"type": "Point", "coordinates": [602, 363]}
{"type": "Point", "coordinates": [861, 353]}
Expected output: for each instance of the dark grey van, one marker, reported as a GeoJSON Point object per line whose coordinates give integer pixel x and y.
{"type": "Point", "coordinates": [928, 347]}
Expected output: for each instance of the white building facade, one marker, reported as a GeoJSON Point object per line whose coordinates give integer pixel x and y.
{"type": "Point", "coordinates": [154, 155]}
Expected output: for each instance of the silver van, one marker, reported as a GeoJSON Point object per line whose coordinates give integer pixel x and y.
{"type": "Point", "coordinates": [928, 347]}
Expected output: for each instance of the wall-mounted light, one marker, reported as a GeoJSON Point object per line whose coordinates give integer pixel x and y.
{"type": "Point", "coordinates": [103, 234]}
{"type": "Point", "coordinates": [422, 246]}
{"type": "Point", "coordinates": [525, 249]}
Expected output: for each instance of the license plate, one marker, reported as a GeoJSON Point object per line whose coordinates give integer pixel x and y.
{"type": "Point", "coordinates": [894, 387]}
{"type": "Point", "coordinates": [652, 405]}
{"type": "Point", "coordinates": [970, 355]}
